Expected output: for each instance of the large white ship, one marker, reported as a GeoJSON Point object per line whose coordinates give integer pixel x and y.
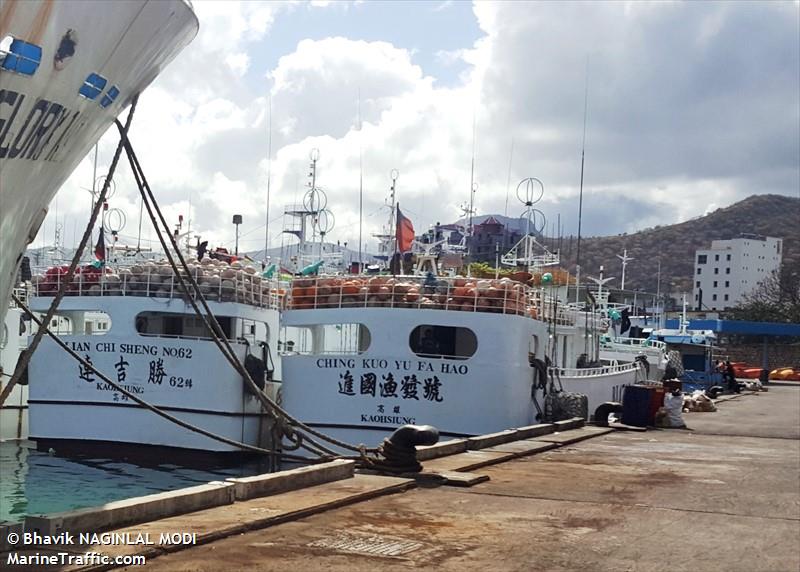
{"type": "Point", "coordinates": [67, 69]}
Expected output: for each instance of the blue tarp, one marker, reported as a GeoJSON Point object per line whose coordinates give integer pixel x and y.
{"type": "Point", "coordinates": [741, 327]}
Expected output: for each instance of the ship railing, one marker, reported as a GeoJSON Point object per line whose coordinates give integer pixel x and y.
{"type": "Point", "coordinates": [550, 309]}
{"type": "Point", "coordinates": [595, 371]}
{"type": "Point", "coordinates": [240, 288]}
{"type": "Point", "coordinates": [450, 293]}
{"type": "Point", "coordinates": [22, 293]}
{"type": "Point", "coordinates": [636, 343]}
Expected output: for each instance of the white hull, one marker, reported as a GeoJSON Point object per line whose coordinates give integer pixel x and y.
{"type": "Point", "coordinates": [488, 392]}
{"type": "Point", "coordinates": [185, 376]}
{"type": "Point", "coordinates": [482, 387]}
{"type": "Point", "coordinates": [129, 424]}
{"type": "Point", "coordinates": [46, 126]}
{"type": "Point", "coordinates": [14, 412]}
{"type": "Point", "coordinates": [601, 384]}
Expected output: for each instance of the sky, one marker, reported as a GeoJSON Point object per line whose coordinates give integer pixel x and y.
{"type": "Point", "coordinates": [687, 107]}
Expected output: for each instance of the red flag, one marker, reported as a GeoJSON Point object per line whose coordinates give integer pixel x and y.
{"type": "Point", "coordinates": [404, 233]}
{"type": "Point", "coordinates": [100, 247]}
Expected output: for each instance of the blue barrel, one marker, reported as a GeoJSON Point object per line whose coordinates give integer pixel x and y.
{"type": "Point", "coordinates": [636, 405]}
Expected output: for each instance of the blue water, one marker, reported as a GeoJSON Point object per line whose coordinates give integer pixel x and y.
{"type": "Point", "coordinates": [34, 482]}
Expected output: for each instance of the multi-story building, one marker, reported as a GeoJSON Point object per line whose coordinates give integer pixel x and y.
{"type": "Point", "coordinates": [728, 270]}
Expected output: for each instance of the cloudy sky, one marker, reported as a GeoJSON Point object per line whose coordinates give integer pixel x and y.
{"type": "Point", "coordinates": [691, 106]}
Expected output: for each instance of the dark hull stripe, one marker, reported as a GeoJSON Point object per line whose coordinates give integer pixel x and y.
{"type": "Point", "coordinates": [388, 429]}
{"type": "Point", "coordinates": [136, 406]}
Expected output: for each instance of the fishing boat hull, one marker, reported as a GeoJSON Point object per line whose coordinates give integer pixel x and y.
{"type": "Point", "coordinates": [601, 384]}
{"type": "Point", "coordinates": [14, 411]}
{"type": "Point", "coordinates": [181, 372]}
{"type": "Point", "coordinates": [363, 396]}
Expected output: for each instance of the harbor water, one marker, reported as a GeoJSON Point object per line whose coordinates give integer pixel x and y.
{"type": "Point", "coordinates": [36, 482]}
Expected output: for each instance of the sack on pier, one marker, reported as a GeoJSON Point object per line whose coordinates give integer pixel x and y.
{"type": "Point", "coordinates": [699, 402]}
{"type": "Point", "coordinates": [671, 415]}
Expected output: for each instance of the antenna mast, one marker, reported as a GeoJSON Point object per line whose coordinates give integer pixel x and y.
{"type": "Point", "coordinates": [472, 188]}
{"type": "Point", "coordinates": [360, 187]}
{"type": "Point", "coordinates": [508, 180]}
{"type": "Point", "coordinates": [580, 196]}
{"type": "Point", "coordinates": [625, 259]}
{"type": "Point", "coordinates": [269, 174]}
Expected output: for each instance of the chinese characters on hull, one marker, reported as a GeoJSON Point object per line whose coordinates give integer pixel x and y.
{"type": "Point", "coordinates": [408, 387]}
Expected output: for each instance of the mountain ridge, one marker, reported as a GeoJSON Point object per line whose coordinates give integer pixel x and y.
{"type": "Point", "coordinates": [766, 215]}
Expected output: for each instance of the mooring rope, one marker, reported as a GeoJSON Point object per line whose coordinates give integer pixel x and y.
{"type": "Point", "coordinates": [25, 356]}
{"type": "Point", "coordinates": [209, 320]}
{"type": "Point", "coordinates": [133, 397]}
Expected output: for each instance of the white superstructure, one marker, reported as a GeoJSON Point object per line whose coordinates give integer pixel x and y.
{"type": "Point", "coordinates": [728, 270]}
{"type": "Point", "coordinates": [67, 69]}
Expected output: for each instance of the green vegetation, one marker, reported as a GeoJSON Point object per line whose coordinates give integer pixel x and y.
{"type": "Point", "coordinates": [777, 299]}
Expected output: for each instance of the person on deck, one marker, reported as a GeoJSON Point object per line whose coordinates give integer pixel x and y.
{"type": "Point", "coordinates": [428, 344]}
{"type": "Point", "coordinates": [733, 385]}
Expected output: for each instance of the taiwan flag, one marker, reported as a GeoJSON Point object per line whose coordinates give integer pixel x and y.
{"type": "Point", "coordinates": [404, 233]}
{"type": "Point", "coordinates": [100, 248]}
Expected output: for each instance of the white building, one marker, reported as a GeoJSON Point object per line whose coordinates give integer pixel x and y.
{"type": "Point", "coordinates": [732, 268]}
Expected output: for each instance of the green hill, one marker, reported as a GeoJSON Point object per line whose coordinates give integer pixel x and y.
{"type": "Point", "coordinates": [769, 215]}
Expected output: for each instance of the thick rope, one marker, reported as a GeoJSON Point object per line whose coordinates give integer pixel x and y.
{"type": "Point", "coordinates": [25, 356]}
{"type": "Point", "coordinates": [211, 324]}
{"type": "Point", "coordinates": [133, 397]}
{"type": "Point", "coordinates": [209, 319]}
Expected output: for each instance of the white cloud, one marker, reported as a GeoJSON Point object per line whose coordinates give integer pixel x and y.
{"type": "Point", "coordinates": [682, 113]}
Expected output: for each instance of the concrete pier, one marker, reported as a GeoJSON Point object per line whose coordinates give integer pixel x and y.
{"type": "Point", "coordinates": [722, 496]}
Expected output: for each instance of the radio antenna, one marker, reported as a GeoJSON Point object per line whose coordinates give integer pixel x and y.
{"type": "Point", "coordinates": [580, 195]}
{"type": "Point", "coordinates": [269, 173]}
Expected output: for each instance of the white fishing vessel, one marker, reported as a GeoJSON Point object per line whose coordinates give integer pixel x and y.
{"type": "Point", "coordinates": [67, 69]}
{"type": "Point", "coordinates": [14, 411]}
{"type": "Point", "coordinates": [371, 354]}
{"type": "Point", "coordinates": [157, 348]}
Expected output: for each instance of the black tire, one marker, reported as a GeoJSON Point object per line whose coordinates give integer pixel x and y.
{"type": "Point", "coordinates": [604, 410]}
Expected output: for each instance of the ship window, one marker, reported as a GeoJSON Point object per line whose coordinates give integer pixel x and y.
{"type": "Point", "coordinates": [174, 325]}
{"type": "Point", "coordinates": [109, 97]}
{"type": "Point", "coordinates": [96, 323]}
{"type": "Point", "coordinates": [702, 258]}
{"type": "Point", "coordinates": [443, 341]}
{"type": "Point", "coordinates": [92, 86]}
{"type": "Point", "coordinates": [19, 56]}
{"type": "Point", "coordinates": [325, 339]}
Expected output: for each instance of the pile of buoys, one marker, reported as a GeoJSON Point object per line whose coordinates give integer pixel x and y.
{"type": "Point", "coordinates": [459, 293]}
{"type": "Point", "coordinates": [785, 374]}
{"type": "Point", "coordinates": [218, 281]}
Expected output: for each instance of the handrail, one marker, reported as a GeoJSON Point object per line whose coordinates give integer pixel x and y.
{"type": "Point", "coordinates": [503, 296]}
{"type": "Point", "coordinates": [593, 371]}
{"type": "Point", "coordinates": [635, 343]}
{"type": "Point", "coordinates": [240, 287]}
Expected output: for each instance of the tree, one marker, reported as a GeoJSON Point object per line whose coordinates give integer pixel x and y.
{"type": "Point", "coordinates": [777, 298]}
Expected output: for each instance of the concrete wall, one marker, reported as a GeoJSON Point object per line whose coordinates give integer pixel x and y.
{"type": "Point", "coordinates": [778, 355]}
